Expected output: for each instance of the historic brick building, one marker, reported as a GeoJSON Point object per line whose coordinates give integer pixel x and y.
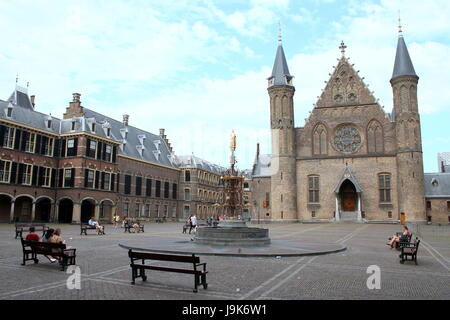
{"type": "Point", "coordinates": [86, 164]}
{"type": "Point", "coordinates": [351, 160]}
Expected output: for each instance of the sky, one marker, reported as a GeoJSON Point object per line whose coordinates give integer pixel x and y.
{"type": "Point", "coordinates": [198, 68]}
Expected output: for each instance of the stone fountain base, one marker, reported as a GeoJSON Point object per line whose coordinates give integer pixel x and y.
{"type": "Point", "coordinates": [232, 233]}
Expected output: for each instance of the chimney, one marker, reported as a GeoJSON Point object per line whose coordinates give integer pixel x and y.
{"type": "Point", "coordinates": [75, 109]}
{"type": "Point", "coordinates": [126, 118]}
{"type": "Point", "coordinates": [33, 97]}
{"type": "Point", "coordinates": [257, 150]}
{"type": "Point", "coordinates": [76, 97]}
{"type": "Point", "coordinates": [164, 137]}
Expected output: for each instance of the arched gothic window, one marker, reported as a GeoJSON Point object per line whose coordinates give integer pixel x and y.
{"type": "Point", "coordinates": [320, 140]}
{"type": "Point", "coordinates": [374, 137]}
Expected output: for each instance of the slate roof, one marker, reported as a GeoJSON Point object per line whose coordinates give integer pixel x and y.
{"type": "Point", "coordinates": [261, 167]}
{"type": "Point", "coordinates": [20, 97]}
{"type": "Point", "coordinates": [29, 117]}
{"type": "Point", "coordinates": [437, 185]}
{"type": "Point", "coordinates": [196, 162]}
{"type": "Point", "coordinates": [403, 65]}
{"type": "Point", "coordinates": [153, 147]}
{"type": "Point", "coordinates": [280, 71]}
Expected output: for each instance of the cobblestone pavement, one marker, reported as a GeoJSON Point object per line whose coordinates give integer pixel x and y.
{"type": "Point", "coordinates": [105, 272]}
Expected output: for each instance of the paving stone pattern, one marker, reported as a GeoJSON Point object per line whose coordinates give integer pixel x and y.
{"type": "Point", "coordinates": [106, 275]}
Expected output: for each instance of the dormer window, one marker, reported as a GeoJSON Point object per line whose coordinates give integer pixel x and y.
{"type": "Point", "coordinates": [93, 127]}
{"type": "Point", "coordinates": [49, 124]}
{"type": "Point", "coordinates": [434, 182]}
{"type": "Point", "coordinates": [9, 112]}
{"type": "Point", "coordinates": [141, 138]}
{"type": "Point", "coordinates": [73, 125]}
{"type": "Point", "coordinates": [157, 143]}
{"type": "Point", "coordinates": [108, 132]}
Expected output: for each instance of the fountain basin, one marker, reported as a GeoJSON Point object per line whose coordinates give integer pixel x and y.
{"type": "Point", "coordinates": [232, 236]}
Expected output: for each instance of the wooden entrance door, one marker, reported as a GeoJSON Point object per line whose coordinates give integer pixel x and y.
{"type": "Point", "coordinates": [348, 196]}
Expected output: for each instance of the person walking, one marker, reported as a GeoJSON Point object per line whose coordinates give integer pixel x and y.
{"type": "Point", "coordinates": [193, 223]}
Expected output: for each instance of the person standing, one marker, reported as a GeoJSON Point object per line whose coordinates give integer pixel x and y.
{"type": "Point", "coordinates": [193, 223]}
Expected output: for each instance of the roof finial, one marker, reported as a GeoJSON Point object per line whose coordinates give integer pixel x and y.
{"type": "Point", "coordinates": [280, 35]}
{"type": "Point", "coordinates": [343, 47]}
{"type": "Point", "coordinates": [17, 77]}
{"type": "Point", "coordinates": [400, 31]}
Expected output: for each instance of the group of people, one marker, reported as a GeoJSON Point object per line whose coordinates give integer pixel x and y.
{"type": "Point", "coordinates": [95, 225]}
{"type": "Point", "coordinates": [50, 236]}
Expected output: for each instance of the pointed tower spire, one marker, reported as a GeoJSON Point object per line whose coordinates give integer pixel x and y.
{"type": "Point", "coordinates": [280, 72]}
{"type": "Point", "coordinates": [403, 65]}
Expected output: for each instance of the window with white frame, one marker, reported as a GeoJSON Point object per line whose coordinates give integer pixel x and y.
{"type": "Point", "coordinates": [90, 179]}
{"type": "Point", "coordinates": [30, 143]}
{"type": "Point", "coordinates": [92, 149]}
{"type": "Point", "coordinates": [47, 178]}
{"type": "Point", "coordinates": [108, 152]}
{"type": "Point", "coordinates": [5, 171]}
{"type": "Point", "coordinates": [27, 174]}
{"type": "Point", "coordinates": [48, 147]}
{"type": "Point", "coordinates": [147, 210]}
{"type": "Point", "coordinates": [107, 181]}
{"type": "Point", "coordinates": [8, 138]}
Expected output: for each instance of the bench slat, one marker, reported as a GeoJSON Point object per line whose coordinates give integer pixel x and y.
{"type": "Point", "coordinates": [163, 257]}
{"type": "Point", "coordinates": [160, 268]}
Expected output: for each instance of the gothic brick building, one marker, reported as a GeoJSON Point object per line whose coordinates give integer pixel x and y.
{"type": "Point", "coordinates": [351, 160]}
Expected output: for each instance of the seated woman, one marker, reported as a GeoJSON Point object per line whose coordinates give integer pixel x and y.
{"type": "Point", "coordinates": [94, 224]}
{"type": "Point", "coordinates": [46, 238]}
{"type": "Point", "coordinates": [403, 238]}
{"type": "Point", "coordinates": [136, 226]}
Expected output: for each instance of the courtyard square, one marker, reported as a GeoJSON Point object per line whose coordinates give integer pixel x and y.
{"type": "Point", "coordinates": [106, 274]}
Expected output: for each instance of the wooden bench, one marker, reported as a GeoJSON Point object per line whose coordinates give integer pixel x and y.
{"type": "Point", "coordinates": [84, 227]}
{"type": "Point", "coordinates": [138, 269]}
{"type": "Point", "coordinates": [129, 225]}
{"type": "Point", "coordinates": [32, 248]}
{"type": "Point", "coordinates": [409, 250]}
{"type": "Point", "coordinates": [25, 227]}
{"type": "Point", "coordinates": [400, 244]}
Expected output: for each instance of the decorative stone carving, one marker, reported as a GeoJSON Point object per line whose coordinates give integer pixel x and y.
{"type": "Point", "coordinates": [347, 139]}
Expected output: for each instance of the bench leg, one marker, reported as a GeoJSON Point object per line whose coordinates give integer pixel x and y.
{"type": "Point", "coordinates": [196, 283]}
{"type": "Point", "coordinates": [133, 275]}
{"type": "Point", "coordinates": [205, 285]}
{"type": "Point", "coordinates": [142, 274]}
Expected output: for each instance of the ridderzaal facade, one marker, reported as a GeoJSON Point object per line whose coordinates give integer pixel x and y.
{"type": "Point", "coordinates": [351, 161]}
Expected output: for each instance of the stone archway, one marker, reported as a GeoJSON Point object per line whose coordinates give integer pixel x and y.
{"type": "Point", "coordinates": [87, 210]}
{"type": "Point", "coordinates": [5, 208]}
{"type": "Point", "coordinates": [106, 210]}
{"type": "Point", "coordinates": [348, 196]}
{"type": "Point", "coordinates": [65, 211]}
{"type": "Point", "coordinates": [43, 210]}
{"type": "Point", "coordinates": [23, 209]}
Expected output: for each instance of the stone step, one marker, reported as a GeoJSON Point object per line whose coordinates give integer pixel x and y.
{"type": "Point", "coordinates": [349, 216]}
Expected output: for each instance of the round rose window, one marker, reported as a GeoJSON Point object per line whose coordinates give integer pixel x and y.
{"type": "Point", "coordinates": [347, 139]}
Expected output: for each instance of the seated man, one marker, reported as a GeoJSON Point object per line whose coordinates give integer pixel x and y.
{"type": "Point", "coordinates": [32, 236]}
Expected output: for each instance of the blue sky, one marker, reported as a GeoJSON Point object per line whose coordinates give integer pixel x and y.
{"type": "Point", "coordinates": [198, 68]}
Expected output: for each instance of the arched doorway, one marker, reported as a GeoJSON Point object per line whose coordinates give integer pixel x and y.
{"type": "Point", "coordinates": [106, 210]}
{"type": "Point", "coordinates": [348, 196]}
{"type": "Point", "coordinates": [65, 211]}
{"type": "Point", "coordinates": [23, 208]}
{"type": "Point", "coordinates": [87, 210]}
{"type": "Point", "coordinates": [43, 210]}
{"type": "Point", "coordinates": [5, 208]}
